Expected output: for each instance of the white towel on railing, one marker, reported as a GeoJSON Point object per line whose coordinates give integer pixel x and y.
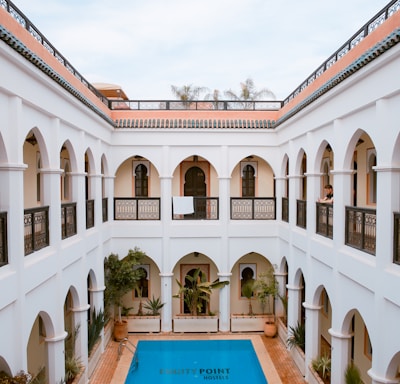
{"type": "Point", "coordinates": [182, 205]}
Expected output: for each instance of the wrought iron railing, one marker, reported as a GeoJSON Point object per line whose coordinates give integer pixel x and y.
{"type": "Point", "coordinates": [360, 229]}
{"type": "Point", "coordinates": [370, 26]}
{"type": "Point", "coordinates": [324, 225]}
{"type": "Point", "coordinates": [396, 239]}
{"type": "Point", "coordinates": [301, 213]}
{"type": "Point", "coordinates": [136, 208]}
{"type": "Point", "coordinates": [253, 208]}
{"type": "Point", "coordinates": [104, 208]}
{"type": "Point", "coordinates": [3, 239]}
{"type": "Point", "coordinates": [68, 220]}
{"type": "Point", "coordinates": [205, 208]}
{"type": "Point", "coordinates": [35, 33]}
{"type": "Point", "coordinates": [285, 209]}
{"type": "Point", "coordinates": [36, 229]}
{"type": "Point", "coordinates": [89, 214]}
{"type": "Point", "coordinates": [195, 105]}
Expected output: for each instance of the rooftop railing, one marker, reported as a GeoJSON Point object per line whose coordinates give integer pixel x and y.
{"type": "Point", "coordinates": [195, 105]}
{"type": "Point", "coordinates": [363, 32]}
{"type": "Point", "coordinates": [34, 32]}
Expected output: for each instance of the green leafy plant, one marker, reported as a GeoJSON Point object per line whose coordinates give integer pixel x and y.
{"type": "Point", "coordinates": [94, 328]}
{"type": "Point", "coordinates": [297, 336]}
{"type": "Point", "coordinates": [352, 375]}
{"type": "Point", "coordinates": [247, 292]}
{"type": "Point", "coordinates": [322, 365]}
{"type": "Point", "coordinates": [266, 287]}
{"type": "Point", "coordinates": [121, 277]}
{"type": "Point", "coordinates": [154, 305]}
{"type": "Point", "coordinates": [197, 290]}
{"type": "Point", "coordinates": [73, 366]}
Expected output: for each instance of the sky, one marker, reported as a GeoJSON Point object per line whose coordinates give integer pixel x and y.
{"type": "Point", "coordinates": [145, 46]}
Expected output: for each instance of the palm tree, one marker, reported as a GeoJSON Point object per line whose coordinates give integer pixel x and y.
{"type": "Point", "coordinates": [215, 96]}
{"type": "Point", "coordinates": [187, 93]}
{"type": "Point", "coordinates": [248, 93]}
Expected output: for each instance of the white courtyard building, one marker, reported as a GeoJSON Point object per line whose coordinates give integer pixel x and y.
{"type": "Point", "coordinates": [222, 187]}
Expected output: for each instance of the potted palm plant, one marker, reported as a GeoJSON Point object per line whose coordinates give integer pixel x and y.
{"type": "Point", "coordinates": [120, 278]}
{"type": "Point", "coordinates": [195, 292]}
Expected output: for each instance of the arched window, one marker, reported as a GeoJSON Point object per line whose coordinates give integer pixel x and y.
{"type": "Point", "coordinates": [141, 181]}
{"type": "Point", "coordinates": [248, 181]}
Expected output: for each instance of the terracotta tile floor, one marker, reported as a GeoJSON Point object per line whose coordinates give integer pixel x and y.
{"type": "Point", "coordinates": [272, 353]}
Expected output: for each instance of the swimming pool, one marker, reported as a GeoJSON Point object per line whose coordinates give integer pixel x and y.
{"type": "Point", "coordinates": [194, 361]}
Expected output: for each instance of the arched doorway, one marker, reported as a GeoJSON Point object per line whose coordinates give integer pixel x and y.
{"type": "Point", "coordinates": [195, 185]}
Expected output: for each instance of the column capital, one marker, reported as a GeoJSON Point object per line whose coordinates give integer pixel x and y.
{"type": "Point", "coordinates": [224, 274]}
{"type": "Point", "coordinates": [55, 339]}
{"type": "Point", "coordinates": [82, 308]}
{"type": "Point", "coordinates": [293, 287]}
{"type": "Point", "coordinates": [339, 335]}
{"type": "Point", "coordinates": [167, 274]}
{"type": "Point", "coordinates": [311, 307]}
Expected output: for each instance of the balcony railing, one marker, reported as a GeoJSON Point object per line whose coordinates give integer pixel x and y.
{"type": "Point", "coordinates": [89, 214]}
{"type": "Point", "coordinates": [205, 208]}
{"type": "Point", "coordinates": [136, 208]}
{"type": "Point", "coordinates": [285, 209]}
{"type": "Point", "coordinates": [3, 239]}
{"type": "Point", "coordinates": [396, 239]}
{"type": "Point", "coordinates": [195, 105]}
{"type": "Point", "coordinates": [36, 229]}
{"type": "Point", "coordinates": [325, 219]}
{"type": "Point", "coordinates": [104, 205]}
{"type": "Point", "coordinates": [301, 216]}
{"type": "Point", "coordinates": [360, 229]}
{"type": "Point", "coordinates": [253, 208]}
{"type": "Point", "coordinates": [68, 220]}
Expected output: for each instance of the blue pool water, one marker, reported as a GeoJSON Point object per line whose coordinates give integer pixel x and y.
{"type": "Point", "coordinates": [195, 361]}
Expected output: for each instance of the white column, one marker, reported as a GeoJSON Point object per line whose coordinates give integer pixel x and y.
{"type": "Point", "coordinates": [81, 343]}
{"type": "Point", "coordinates": [109, 194]}
{"type": "Point", "coordinates": [312, 333]}
{"type": "Point", "coordinates": [340, 354]}
{"type": "Point", "coordinates": [78, 196]}
{"type": "Point", "coordinates": [279, 193]}
{"type": "Point", "coordinates": [55, 357]}
{"type": "Point", "coordinates": [281, 279]}
{"type": "Point", "coordinates": [224, 303]}
{"type": "Point", "coordinates": [96, 188]}
{"type": "Point", "coordinates": [224, 218]}
{"type": "Point", "coordinates": [294, 305]}
{"type": "Point", "coordinates": [294, 193]}
{"type": "Point", "coordinates": [51, 198]}
{"type": "Point", "coordinates": [313, 193]}
{"type": "Point", "coordinates": [97, 303]}
{"type": "Point", "coordinates": [342, 197]}
{"type": "Point", "coordinates": [166, 297]}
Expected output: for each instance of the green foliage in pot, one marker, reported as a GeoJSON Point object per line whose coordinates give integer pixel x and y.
{"type": "Point", "coordinates": [297, 336]}
{"type": "Point", "coordinates": [322, 365]}
{"type": "Point", "coordinates": [352, 375]}
{"type": "Point", "coordinates": [197, 290]}
{"type": "Point", "coordinates": [94, 328]}
{"type": "Point", "coordinates": [247, 292]}
{"type": "Point", "coordinates": [154, 305]}
{"type": "Point", "coordinates": [121, 277]}
{"type": "Point", "coordinates": [73, 366]}
{"type": "Point", "coordinates": [266, 287]}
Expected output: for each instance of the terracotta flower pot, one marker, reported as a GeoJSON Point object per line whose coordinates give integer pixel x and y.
{"type": "Point", "coordinates": [270, 329]}
{"type": "Point", "coordinates": [120, 330]}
